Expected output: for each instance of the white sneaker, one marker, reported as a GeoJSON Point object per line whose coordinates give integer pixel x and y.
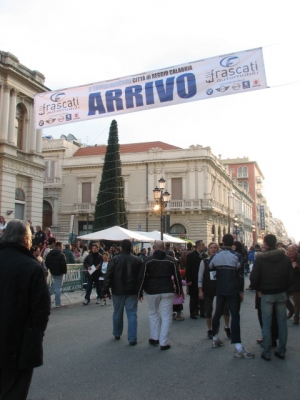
{"type": "Point", "coordinates": [217, 343]}
{"type": "Point", "coordinates": [108, 302]}
{"type": "Point", "coordinates": [85, 303]}
{"type": "Point", "coordinates": [99, 301]}
{"type": "Point", "coordinates": [243, 353]}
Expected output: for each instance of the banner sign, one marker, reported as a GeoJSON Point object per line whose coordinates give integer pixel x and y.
{"type": "Point", "coordinates": [262, 218]}
{"type": "Point", "coordinates": [199, 80]}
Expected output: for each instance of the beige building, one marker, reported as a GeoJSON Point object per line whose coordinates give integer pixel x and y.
{"type": "Point", "coordinates": [250, 177]}
{"type": "Point", "coordinates": [21, 159]}
{"type": "Point", "coordinates": [204, 196]}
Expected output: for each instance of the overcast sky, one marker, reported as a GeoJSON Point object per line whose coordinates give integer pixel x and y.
{"type": "Point", "coordinates": [77, 43]}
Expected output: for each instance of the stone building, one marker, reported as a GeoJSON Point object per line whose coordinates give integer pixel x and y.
{"type": "Point", "coordinates": [204, 197]}
{"type": "Point", "coordinates": [250, 177]}
{"type": "Point", "coordinates": [21, 159]}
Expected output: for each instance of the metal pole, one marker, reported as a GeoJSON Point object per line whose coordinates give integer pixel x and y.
{"type": "Point", "coordinates": [161, 218]}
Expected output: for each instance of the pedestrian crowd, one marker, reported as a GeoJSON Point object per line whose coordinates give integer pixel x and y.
{"type": "Point", "coordinates": [211, 273]}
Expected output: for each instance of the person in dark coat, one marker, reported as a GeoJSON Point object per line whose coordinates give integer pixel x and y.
{"type": "Point", "coordinates": [193, 260]}
{"type": "Point", "coordinates": [122, 277]}
{"type": "Point", "coordinates": [93, 259]}
{"type": "Point", "coordinates": [160, 279]}
{"type": "Point", "coordinates": [56, 263]}
{"type": "Point", "coordinates": [272, 275]}
{"type": "Point", "coordinates": [69, 254]}
{"type": "Point", "coordinates": [24, 311]}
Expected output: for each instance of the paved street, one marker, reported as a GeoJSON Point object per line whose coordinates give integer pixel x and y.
{"type": "Point", "coordinates": [82, 360]}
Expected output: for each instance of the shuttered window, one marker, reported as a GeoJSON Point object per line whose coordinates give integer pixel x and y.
{"type": "Point", "coordinates": [86, 192]}
{"type": "Point", "coordinates": [176, 190]}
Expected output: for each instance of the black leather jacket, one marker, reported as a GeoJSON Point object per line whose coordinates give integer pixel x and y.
{"type": "Point", "coordinates": [122, 274]}
{"type": "Point", "coordinates": [159, 274]}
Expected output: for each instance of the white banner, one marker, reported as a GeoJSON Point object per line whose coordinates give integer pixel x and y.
{"type": "Point", "coordinates": [199, 80]}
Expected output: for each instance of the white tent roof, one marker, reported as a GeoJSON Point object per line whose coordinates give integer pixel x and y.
{"type": "Point", "coordinates": [155, 235]}
{"type": "Point", "coordinates": [116, 233]}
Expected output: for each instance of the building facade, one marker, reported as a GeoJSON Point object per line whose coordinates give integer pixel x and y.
{"type": "Point", "coordinates": [204, 201]}
{"type": "Point", "coordinates": [21, 160]}
{"type": "Point", "coordinates": [250, 177]}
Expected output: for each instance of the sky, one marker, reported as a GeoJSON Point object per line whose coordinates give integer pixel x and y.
{"type": "Point", "coordinates": [77, 43]}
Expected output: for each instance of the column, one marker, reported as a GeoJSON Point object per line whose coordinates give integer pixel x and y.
{"type": "Point", "coordinates": [39, 133]}
{"type": "Point", "coordinates": [55, 211]}
{"type": "Point", "coordinates": [5, 113]}
{"type": "Point", "coordinates": [12, 117]}
{"type": "Point", "coordinates": [32, 131]}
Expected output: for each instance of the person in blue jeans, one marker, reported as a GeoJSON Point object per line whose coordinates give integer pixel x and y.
{"type": "Point", "coordinates": [56, 263]}
{"type": "Point", "coordinates": [272, 275]}
{"type": "Point", "coordinates": [122, 277]}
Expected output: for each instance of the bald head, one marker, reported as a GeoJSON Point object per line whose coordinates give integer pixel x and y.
{"type": "Point", "coordinates": [159, 245]}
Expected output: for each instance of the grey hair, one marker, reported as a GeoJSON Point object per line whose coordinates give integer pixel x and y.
{"type": "Point", "coordinates": [15, 231]}
{"type": "Point", "coordinates": [159, 245]}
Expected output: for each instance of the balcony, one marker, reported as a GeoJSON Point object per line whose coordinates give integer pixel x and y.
{"type": "Point", "coordinates": [259, 193]}
{"type": "Point", "coordinates": [84, 208]}
{"type": "Point", "coordinates": [258, 179]}
{"type": "Point", "coordinates": [52, 181]}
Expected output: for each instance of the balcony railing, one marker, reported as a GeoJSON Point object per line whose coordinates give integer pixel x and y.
{"type": "Point", "coordinates": [84, 208]}
{"type": "Point", "coordinates": [52, 181]}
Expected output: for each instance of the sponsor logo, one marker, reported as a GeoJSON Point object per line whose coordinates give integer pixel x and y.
{"type": "Point", "coordinates": [41, 123]}
{"type": "Point", "coordinates": [246, 85]}
{"type": "Point", "coordinates": [236, 86]}
{"type": "Point", "coordinates": [209, 91]}
{"type": "Point", "coordinates": [55, 97]}
{"type": "Point", "coordinates": [69, 117]}
{"type": "Point", "coordinates": [256, 83]}
{"type": "Point", "coordinates": [231, 71]}
{"type": "Point", "coordinates": [61, 119]}
{"type": "Point", "coordinates": [51, 120]}
{"type": "Point", "coordinates": [222, 89]}
{"type": "Point", "coordinates": [76, 116]}
{"type": "Point", "coordinates": [229, 61]}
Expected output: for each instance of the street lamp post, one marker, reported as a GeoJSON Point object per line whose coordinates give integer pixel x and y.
{"type": "Point", "coordinates": [236, 224]}
{"type": "Point", "coordinates": [253, 232]}
{"type": "Point", "coordinates": [161, 200]}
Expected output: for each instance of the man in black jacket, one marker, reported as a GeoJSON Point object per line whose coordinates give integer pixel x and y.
{"type": "Point", "coordinates": [122, 277]}
{"type": "Point", "coordinates": [56, 263]}
{"type": "Point", "coordinates": [193, 260]}
{"type": "Point", "coordinates": [272, 275]}
{"type": "Point", "coordinates": [24, 311]}
{"type": "Point", "coordinates": [160, 278]}
{"type": "Point", "coordinates": [230, 289]}
{"type": "Point", "coordinates": [94, 259]}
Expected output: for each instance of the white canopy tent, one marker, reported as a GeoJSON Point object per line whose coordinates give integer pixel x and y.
{"type": "Point", "coordinates": [155, 235]}
{"type": "Point", "coordinates": [116, 233]}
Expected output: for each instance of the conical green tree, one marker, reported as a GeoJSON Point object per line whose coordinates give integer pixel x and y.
{"type": "Point", "coordinates": [110, 207]}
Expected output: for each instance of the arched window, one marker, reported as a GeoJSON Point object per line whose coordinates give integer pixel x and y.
{"type": "Point", "coordinates": [240, 172]}
{"type": "Point", "coordinates": [245, 172]}
{"type": "Point", "coordinates": [246, 186]}
{"type": "Point", "coordinates": [213, 229]}
{"type": "Point", "coordinates": [177, 230]}
{"type": "Point", "coordinates": [19, 125]}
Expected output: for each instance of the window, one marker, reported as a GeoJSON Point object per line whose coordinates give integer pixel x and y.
{"type": "Point", "coordinates": [86, 192]}
{"type": "Point", "coordinates": [19, 204]}
{"type": "Point", "coordinates": [50, 170]}
{"type": "Point", "coordinates": [246, 186]}
{"type": "Point", "coordinates": [242, 172]}
{"type": "Point", "coordinates": [176, 189]}
{"type": "Point", "coordinates": [177, 230]}
{"type": "Point", "coordinates": [19, 195]}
